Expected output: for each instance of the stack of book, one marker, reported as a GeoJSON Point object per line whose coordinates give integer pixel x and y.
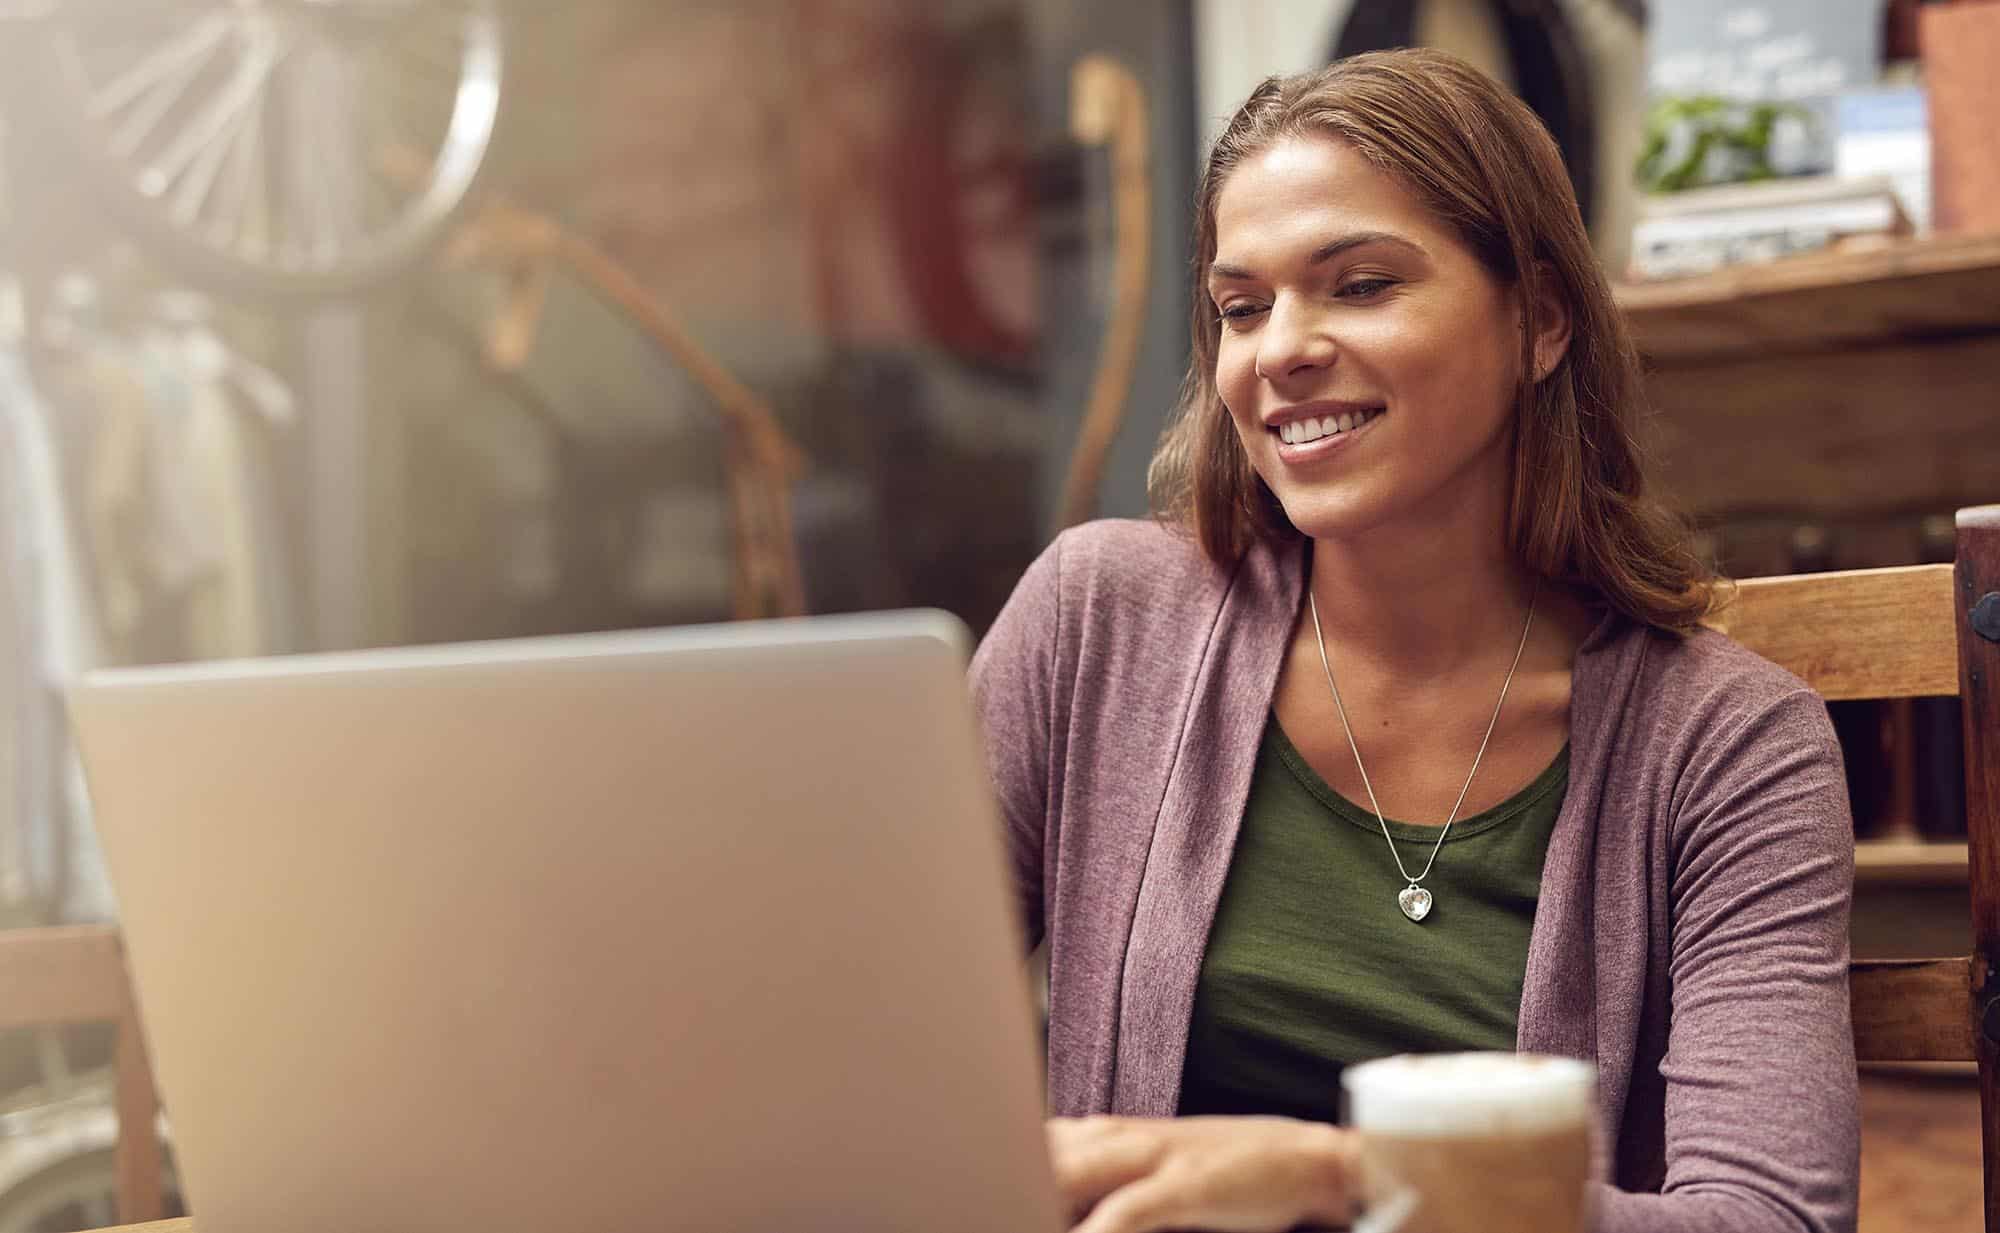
{"type": "Point", "coordinates": [1705, 229]}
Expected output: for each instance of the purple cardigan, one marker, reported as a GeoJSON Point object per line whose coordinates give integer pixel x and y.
{"type": "Point", "coordinates": [1691, 936]}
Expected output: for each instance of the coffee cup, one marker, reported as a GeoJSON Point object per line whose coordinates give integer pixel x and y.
{"type": "Point", "coordinates": [1474, 1142]}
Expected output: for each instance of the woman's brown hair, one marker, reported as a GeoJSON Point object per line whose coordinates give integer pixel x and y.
{"type": "Point", "coordinates": [1476, 156]}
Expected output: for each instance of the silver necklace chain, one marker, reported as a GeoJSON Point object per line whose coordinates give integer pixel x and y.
{"type": "Point", "coordinates": [1324, 663]}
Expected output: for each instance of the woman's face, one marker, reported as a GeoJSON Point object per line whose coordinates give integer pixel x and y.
{"type": "Point", "coordinates": [1367, 358]}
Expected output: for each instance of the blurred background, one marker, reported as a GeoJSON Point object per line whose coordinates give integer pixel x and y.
{"type": "Point", "coordinates": [340, 323]}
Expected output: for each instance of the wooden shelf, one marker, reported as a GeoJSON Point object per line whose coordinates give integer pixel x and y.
{"type": "Point", "coordinates": [1939, 287]}
{"type": "Point", "coordinates": [1909, 862]}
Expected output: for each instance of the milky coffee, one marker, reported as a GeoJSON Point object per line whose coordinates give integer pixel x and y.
{"type": "Point", "coordinates": [1465, 1142]}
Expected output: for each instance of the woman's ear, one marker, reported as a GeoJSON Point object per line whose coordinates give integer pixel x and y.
{"type": "Point", "coordinates": [1552, 323]}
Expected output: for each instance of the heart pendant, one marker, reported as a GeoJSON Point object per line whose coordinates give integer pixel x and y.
{"type": "Point", "coordinates": [1415, 902]}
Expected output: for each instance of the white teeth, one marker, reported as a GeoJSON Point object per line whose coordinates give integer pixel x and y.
{"type": "Point", "coordinates": [1299, 432]}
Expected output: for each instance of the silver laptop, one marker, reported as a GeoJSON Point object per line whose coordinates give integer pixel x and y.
{"type": "Point", "coordinates": [699, 929]}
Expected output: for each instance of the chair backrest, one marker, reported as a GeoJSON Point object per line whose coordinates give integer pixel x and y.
{"type": "Point", "coordinates": [55, 976]}
{"type": "Point", "coordinates": [1901, 633]}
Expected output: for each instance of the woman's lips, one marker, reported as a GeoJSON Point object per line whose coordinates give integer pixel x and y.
{"type": "Point", "coordinates": [1326, 445]}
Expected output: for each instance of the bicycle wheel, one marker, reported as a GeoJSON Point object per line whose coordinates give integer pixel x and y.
{"type": "Point", "coordinates": [285, 147]}
{"type": "Point", "coordinates": [79, 1191]}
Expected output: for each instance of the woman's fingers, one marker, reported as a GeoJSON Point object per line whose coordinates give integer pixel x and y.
{"type": "Point", "coordinates": [1146, 1206]}
{"type": "Point", "coordinates": [1241, 1174]}
{"type": "Point", "coordinates": [1094, 1156]}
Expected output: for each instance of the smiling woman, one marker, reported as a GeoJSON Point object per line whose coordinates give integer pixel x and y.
{"type": "Point", "coordinates": [1409, 183]}
{"type": "Point", "coordinates": [1406, 310]}
{"type": "Point", "coordinates": [1395, 732]}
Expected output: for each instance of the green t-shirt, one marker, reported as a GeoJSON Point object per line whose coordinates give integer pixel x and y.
{"type": "Point", "coordinates": [1310, 963]}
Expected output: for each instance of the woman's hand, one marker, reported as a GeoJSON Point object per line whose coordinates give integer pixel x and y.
{"type": "Point", "coordinates": [1227, 1174]}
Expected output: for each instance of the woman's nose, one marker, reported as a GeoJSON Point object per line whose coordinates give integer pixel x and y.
{"type": "Point", "coordinates": [1294, 340]}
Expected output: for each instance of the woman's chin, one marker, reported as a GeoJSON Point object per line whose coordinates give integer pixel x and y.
{"type": "Point", "coordinates": [1330, 516]}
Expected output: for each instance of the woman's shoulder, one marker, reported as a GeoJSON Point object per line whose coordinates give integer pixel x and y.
{"type": "Point", "coordinates": [1126, 567]}
{"type": "Point", "coordinates": [1701, 699]}
{"type": "Point", "coordinates": [1115, 598]}
{"type": "Point", "coordinates": [1135, 551]}
{"type": "Point", "coordinates": [1707, 667]}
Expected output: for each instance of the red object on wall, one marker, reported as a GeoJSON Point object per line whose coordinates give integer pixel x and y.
{"type": "Point", "coordinates": [917, 134]}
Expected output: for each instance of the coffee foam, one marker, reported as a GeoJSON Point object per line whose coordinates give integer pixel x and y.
{"type": "Point", "coordinates": [1469, 1093]}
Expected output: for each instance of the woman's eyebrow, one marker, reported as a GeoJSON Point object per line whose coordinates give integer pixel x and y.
{"type": "Point", "coordinates": [1325, 252]}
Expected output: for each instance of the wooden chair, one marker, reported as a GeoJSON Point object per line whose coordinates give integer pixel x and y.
{"type": "Point", "coordinates": [1901, 633]}
{"type": "Point", "coordinates": [54, 976]}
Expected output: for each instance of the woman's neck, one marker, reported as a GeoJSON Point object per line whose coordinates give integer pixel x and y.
{"type": "Point", "coordinates": [1422, 601]}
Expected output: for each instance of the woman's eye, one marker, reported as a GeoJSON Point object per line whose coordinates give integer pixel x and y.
{"type": "Point", "coordinates": [1363, 288]}
{"type": "Point", "coordinates": [1238, 314]}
